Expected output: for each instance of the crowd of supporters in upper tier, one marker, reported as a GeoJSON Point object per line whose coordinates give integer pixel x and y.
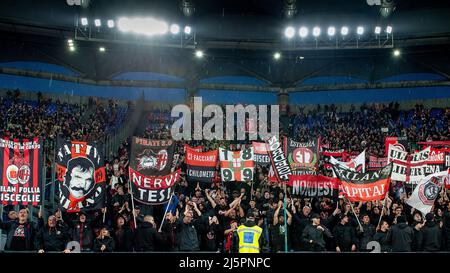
{"type": "Point", "coordinates": [207, 216]}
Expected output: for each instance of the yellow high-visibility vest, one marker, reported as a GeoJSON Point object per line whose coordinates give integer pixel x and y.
{"type": "Point", "coordinates": [249, 239]}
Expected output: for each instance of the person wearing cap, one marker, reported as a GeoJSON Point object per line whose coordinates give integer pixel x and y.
{"type": "Point", "coordinates": [401, 236]}
{"type": "Point", "coordinates": [249, 235]}
{"type": "Point", "coordinates": [431, 232]}
{"type": "Point", "coordinates": [345, 235]}
{"type": "Point", "coordinates": [313, 235]}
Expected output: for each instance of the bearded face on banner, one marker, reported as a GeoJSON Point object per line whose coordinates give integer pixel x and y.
{"type": "Point", "coordinates": [79, 177]}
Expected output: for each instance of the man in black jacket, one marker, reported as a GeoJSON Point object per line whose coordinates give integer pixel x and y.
{"type": "Point", "coordinates": [82, 232]}
{"type": "Point", "coordinates": [51, 237]}
{"type": "Point", "coordinates": [345, 235]}
{"type": "Point", "coordinates": [313, 235]}
{"type": "Point", "coordinates": [400, 236]}
{"type": "Point", "coordinates": [146, 237]}
{"type": "Point", "coordinates": [431, 235]}
{"type": "Point", "coordinates": [381, 236]}
{"type": "Point", "coordinates": [187, 232]}
{"type": "Point", "coordinates": [366, 234]}
{"type": "Point", "coordinates": [20, 233]}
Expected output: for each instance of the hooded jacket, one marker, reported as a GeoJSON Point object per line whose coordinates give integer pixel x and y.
{"type": "Point", "coordinates": [431, 240]}
{"type": "Point", "coordinates": [146, 238]}
{"type": "Point", "coordinates": [187, 236]}
{"type": "Point", "coordinates": [345, 236]}
{"type": "Point", "coordinates": [312, 233]}
{"type": "Point", "coordinates": [400, 237]}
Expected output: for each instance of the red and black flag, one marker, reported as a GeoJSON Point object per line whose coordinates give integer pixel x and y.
{"type": "Point", "coordinates": [81, 173]}
{"type": "Point", "coordinates": [368, 186]}
{"type": "Point", "coordinates": [152, 157]}
{"type": "Point", "coordinates": [152, 190]}
{"type": "Point", "coordinates": [201, 167]}
{"type": "Point", "coordinates": [278, 160]}
{"type": "Point", "coordinates": [21, 171]}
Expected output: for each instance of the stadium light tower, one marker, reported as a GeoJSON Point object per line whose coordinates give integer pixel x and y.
{"type": "Point", "coordinates": [97, 23]}
{"type": "Point", "coordinates": [277, 55]}
{"type": "Point", "coordinates": [331, 31]}
{"type": "Point", "coordinates": [360, 30]}
{"type": "Point", "coordinates": [199, 54]}
{"type": "Point", "coordinates": [187, 30]}
{"type": "Point", "coordinates": [84, 21]}
{"type": "Point", "coordinates": [303, 32]}
{"type": "Point", "coordinates": [344, 31]}
{"type": "Point", "coordinates": [289, 32]}
{"type": "Point", "coordinates": [316, 31]}
{"type": "Point", "coordinates": [110, 23]}
{"type": "Point", "coordinates": [377, 30]}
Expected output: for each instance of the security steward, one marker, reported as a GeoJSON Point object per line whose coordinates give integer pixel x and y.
{"type": "Point", "coordinates": [249, 235]}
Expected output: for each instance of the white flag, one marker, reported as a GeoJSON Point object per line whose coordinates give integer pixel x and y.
{"type": "Point", "coordinates": [358, 164]}
{"type": "Point", "coordinates": [426, 191]}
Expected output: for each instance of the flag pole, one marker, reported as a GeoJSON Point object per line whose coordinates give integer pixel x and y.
{"type": "Point", "coordinates": [285, 220]}
{"type": "Point", "coordinates": [104, 215]}
{"type": "Point", "coordinates": [357, 219]}
{"type": "Point", "coordinates": [167, 208]}
{"type": "Point", "coordinates": [132, 202]}
{"type": "Point", "coordinates": [382, 211]}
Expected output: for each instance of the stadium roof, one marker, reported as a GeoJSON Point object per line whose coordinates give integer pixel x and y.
{"type": "Point", "coordinates": [238, 38]}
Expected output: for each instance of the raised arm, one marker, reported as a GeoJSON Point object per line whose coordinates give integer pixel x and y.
{"type": "Point", "coordinates": [275, 215]}
{"type": "Point", "coordinates": [210, 199]}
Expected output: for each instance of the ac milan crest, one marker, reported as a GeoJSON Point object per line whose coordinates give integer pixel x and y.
{"type": "Point", "coordinates": [148, 160]}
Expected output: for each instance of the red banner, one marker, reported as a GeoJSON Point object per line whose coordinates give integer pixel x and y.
{"type": "Point", "coordinates": [369, 186]}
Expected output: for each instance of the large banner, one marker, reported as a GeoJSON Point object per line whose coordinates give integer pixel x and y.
{"type": "Point", "coordinates": [236, 166]}
{"type": "Point", "coordinates": [427, 190]}
{"type": "Point", "coordinates": [376, 163]}
{"type": "Point", "coordinates": [356, 163]}
{"type": "Point", "coordinates": [201, 167]}
{"type": "Point", "coordinates": [261, 154]}
{"type": "Point", "coordinates": [82, 176]}
{"type": "Point", "coordinates": [314, 186]}
{"type": "Point", "coordinates": [152, 190]}
{"type": "Point", "coordinates": [411, 168]}
{"type": "Point", "coordinates": [152, 157]}
{"type": "Point", "coordinates": [21, 171]}
{"type": "Point", "coordinates": [339, 155]}
{"type": "Point", "coordinates": [303, 157]}
{"type": "Point", "coordinates": [400, 143]}
{"type": "Point", "coordinates": [279, 163]}
{"type": "Point", "coordinates": [369, 186]}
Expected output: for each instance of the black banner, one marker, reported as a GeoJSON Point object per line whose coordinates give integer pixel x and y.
{"type": "Point", "coordinates": [82, 176]}
{"type": "Point", "coordinates": [278, 159]}
{"type": "Point", "coordinates": [152, 157]}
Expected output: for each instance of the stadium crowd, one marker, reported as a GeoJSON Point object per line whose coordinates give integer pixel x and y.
{"type": "Point", "coordinates": [206, 217]}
